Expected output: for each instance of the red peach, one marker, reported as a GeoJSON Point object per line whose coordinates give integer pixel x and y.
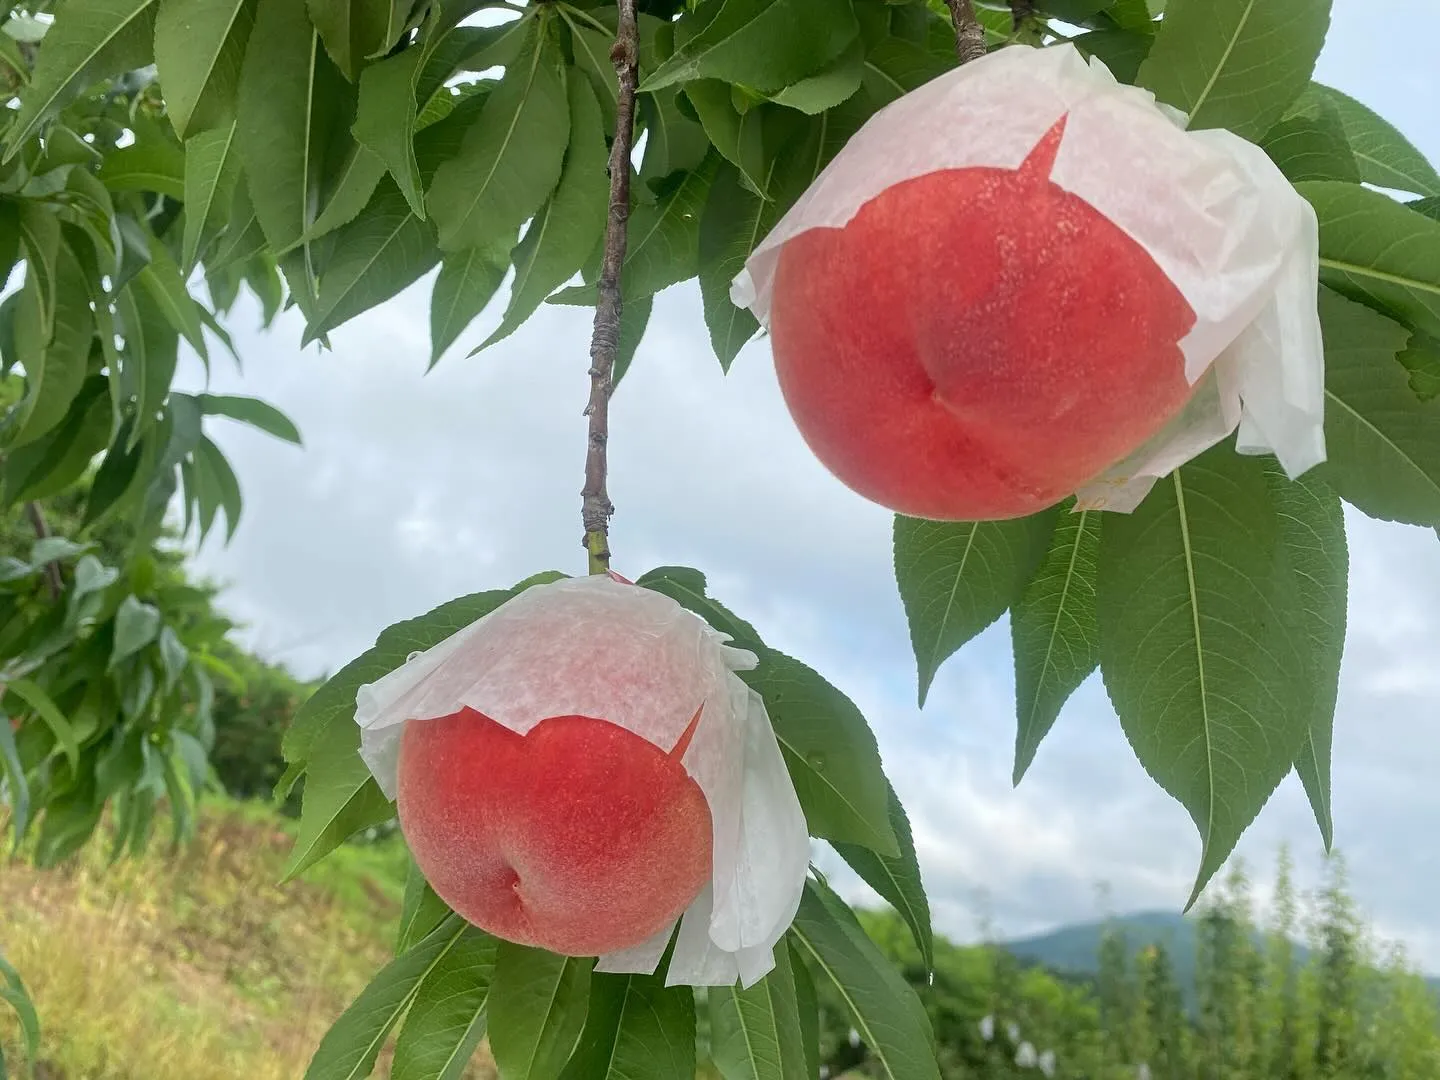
{"type": "Point", "coordinates": [976, 343]}
{"type": "Point", "coordinates": [579, 837]}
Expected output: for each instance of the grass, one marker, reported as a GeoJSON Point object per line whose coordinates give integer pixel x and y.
{"type": "Point", "coordinates": [198, 965]}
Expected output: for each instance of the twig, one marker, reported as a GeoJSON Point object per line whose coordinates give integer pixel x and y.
{"type": "Point", "coordinates": [53, 580]}
{"type": "Point", "coordinates": [596, 506]}
{"type": "Point", "coordinates": [969, 33]}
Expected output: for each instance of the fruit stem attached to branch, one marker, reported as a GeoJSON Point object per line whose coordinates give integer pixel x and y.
{"type": "Point", "coordinates": [53, 581]}
{"type": "Point", "coordinates": [969, 33]}
{"type": "Point", "coordinates": [596, 507]}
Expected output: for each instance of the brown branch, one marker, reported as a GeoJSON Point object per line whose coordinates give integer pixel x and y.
{"type": "Point", "coordinates": [969, 33]}
{"type": "Point", "coordinates": [596, 507]}
{"type": "Point", "coordinates": [53, 580]}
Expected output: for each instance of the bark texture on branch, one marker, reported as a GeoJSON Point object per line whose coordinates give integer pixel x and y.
{"type": "Point", "coordinates": [53, 581]}
{"type": "Point", "coordinates": [969, 33]}
{"type": "Point", "coordinates": [596, 507]}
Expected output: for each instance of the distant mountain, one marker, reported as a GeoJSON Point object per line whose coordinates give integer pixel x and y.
{"type": "Point", "coordinates": [1075, 950]}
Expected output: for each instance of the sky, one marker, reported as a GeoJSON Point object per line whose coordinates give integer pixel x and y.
{"type": "Point", "coordinates": [414, 488]}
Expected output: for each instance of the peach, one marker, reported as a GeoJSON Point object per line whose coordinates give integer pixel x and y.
{"type": "Point", "coordinates": [579, 836]}
{"type": "Point", "coordinates": [976, 343]}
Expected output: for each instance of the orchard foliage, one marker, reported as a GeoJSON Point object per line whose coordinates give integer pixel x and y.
{"type": "Point", "coordinates": [327, 154]}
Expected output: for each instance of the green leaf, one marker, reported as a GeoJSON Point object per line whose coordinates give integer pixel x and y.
{"type": "Point", "coordinates": [1379, 252]}
{"type": "Point", "coordinates": [1203, 645]}
{"type": "Point", "coordinates": [212, 170]}
{"type": "Point", "coordinates": [152, 163]}
{"type": "Point", "coordinates": [40, 235]}
{"type": "Point", "coordinates": [1311, 145]}
{"type": "Point", "coordinates": [1053, 631]}
{"type": "Point", "coordinates": [173, 657]}
{"type": "Point", "coordinates": [1235, 64]}
{"type": "Point", "coordinates": [537, 1010]}
{"type": "Point", "coordinates": [162, 279]}
{"type": "Point", "coordinates": [830, 86]}
{"type": "Point", "coordinates": [1312, 529]}
{"type": "Point", "coordinates": [290, 102]}
{"type": "Point", "coordinates": [755, 1034]}
{"type": "Point", "coordinates": [1386, 158]}
{"type": "Point", "coordinates": [897, 879]}
{"type": "Point", "coordinates": [55, 367]}
{"type": "Point", "coordinates": [358, 179]}
{"type": "Point", "coordinates": [567, 228]}
{"type": "Point", "coordinates": [211, 464]}
{"type": "Point", "coordinates": [592, 58]}
{"type": "Point", "coordinates": [385, 120]}
{"type": "Point", "coordinates": [763, 45]}
{"type": "Point", "coordinates": [341, 797]}
{"type": "Point", "coordinates": [663, 238]}
{"type": "Point", "coordinates": [958, 577]}
{"type": "Point", "coordinates": [673, 141]}
{"type": "Point", "coordinates": [48, 711]}
{"type": "Point", "coordinates": [136, 625]}
{"type": "Point", "coordinates": [199, 47]}
{"type": "Point", "coordinates": [421, 910]}
{"type": "Point", "coordinates": [511, 157]}
{"type": "Point", "coordinates": [13, 993]}
{"type": "Point", "coordinates": [636, 1028]}
{"type": "Point", "coordinates": [86, 44]}
{"type": "Point", "coordinates": [151, 354]}
{"type": "Point", "coordinates": [807, 1004]}
{"type": "Point", "coordinates": [17, 787]}
{"type": "Point", "coordinates": [447, 1019]}
{"type": "Point", "coordinates": [738, 136]}
{"type": "Point", "coordinates": [1122, 51]}
{"type": "Point", "coordinates": [830, 753]}
{"type": "Point", "coordinates": [686, 587]}
{"type": "Point", "coordinates": [1422, 359]}
{"type": "Point", "coordinates": [351, 1046]}
{"type": "Point", "coordinates": [882, 1006]}
{"type": "Point", "coordinates": [355, 30]}
{"type": "Point", "coordinates": [895, 67]}
{"type": "Point", "coordinates": [252, 411]}
{"type": "Point", "coordinates": [378, 254]}
{"type": "Point", "coordinates": [634, 318]}
{"type": "Point", "coordinates": [735, 219]}
{"type": "Point", "coordinates": [1383, 443]}
{"type": "Point", "coordinates": [465, 285]}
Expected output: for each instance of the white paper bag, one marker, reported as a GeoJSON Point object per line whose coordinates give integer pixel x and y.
{"type": "Point", "coordinates": [1217, 216]}
{"type": "Point", "coordinates": [594, 646]}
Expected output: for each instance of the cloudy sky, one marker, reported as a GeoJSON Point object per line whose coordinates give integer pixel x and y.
{"type": "Point", "coordinates": [416, 488]}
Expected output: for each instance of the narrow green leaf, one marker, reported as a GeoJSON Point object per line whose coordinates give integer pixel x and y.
{"type": "Point", "coordinates": [17, 787]}
{"type": "Point", "coordinates": [212, 170]}
{"type": "Point", "coordinates": [13, 992]}
{"type": "Point", "coordinates": [1122, 51]}
{"type": "Point", "coordinates": [199, 47]}
{"type": "Point", "coordinates": [359, 177]}
{"type": "Point", "coordinates": [152, 163]}
{"type": "Point", "coordinates": [162, 279]}
{"type": "Point", "coordinates": [447, 1018]}
{"type": "Point", "coordinates": [151, 354]}
{"type": "Point", "coordinates": [735, 219]}
{"type": "Point", "coordinates": [1310, 144]}
{"type": "Point", "coordinates": [958, 577]}
{"type": "Point", "coordinates": [673, 141]}
{"type": "Point", "coordinates": [465, 285]}
{"type": "Point", "coordinates": [136, 625]}
{"type": "Point", "coordinates": [1203, 643]}
{"type": "Point", "coordinates": [378, 254]}
{"type": "Point", "coordinates": [830, 86]}
{"type": "Point", "coordinates": [48, 711]}
{"type": "Point", "coordinates": [352, 1044]}
{"type": "Point", "coordinates": [55, 366]}
{"type": "Point", "coordinates": [355, 30]}
{"type": "Point", "coordinates": [759, 44]}
{"type": "Point", "coordinates": [634, 318]}
{"type": "Point", "coordinates": [1236, 64]}
{"type": "Point", "coordinates": [897, 879]}
{"type": "Point", "coordinates": [341, 797]}
{"type": "Point", "coordinates": [567, 228]}
{"type": "Point", "coordinates": [227, 487]}
{"type": "Point", "coordinates": [636, 1028]}
{"type": "Point", "coordinates": [421, 910]}
{"type": "Point", "coordinates": [173, 657]}
{"type": "Point", "coordinates": [40, 236]}
{"type": "Point", "coordinates": [830, 751]}
{"type": "Point", "coordinates": [1421, 358]}
{"type": "Point", "coordinates": [511, 157]}
{"type": "Point", "coordinates": [738, 136]}
{"type": "Point", "coordinates": [385, 120]}
{"type": "Point", "coordinates": [1386, 157]}
{"type": "Point", "coordinates": [1312, 528]}
{"type": "Point", "coordinates": [686, 586]}
{"type": "Point", "coordinates": [290, 101]}
{"type": "Point", "coordinates": [592, 57]}
{"type": "Point", "coordinates": [1379, 252]}
{"type": "Point", "coordinates": [252, 411]}
{"type": "Point", "coordinates": [755, 1034]}
{"type": "Point", "coordinates": [86, 44]}
{"type": "Point", "coordinates": [807, 1005]}
{"type": "Point", "coordinates": [537, 1010]}
{"type": "Point", "coordinates": [1053, 631]}
{"type": "Point", "coordinates": [883, 1008]}
{"type": "Point", "coordinates": [1382, 442]}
